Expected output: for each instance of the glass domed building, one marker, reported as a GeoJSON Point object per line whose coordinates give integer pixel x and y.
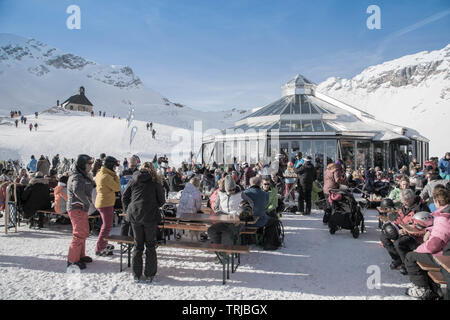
{"type": "Point", "coordinates": [307, 121]}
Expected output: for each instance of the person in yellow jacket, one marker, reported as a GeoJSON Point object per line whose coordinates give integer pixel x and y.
{"type": "Point", "coordinates": [108, 184]}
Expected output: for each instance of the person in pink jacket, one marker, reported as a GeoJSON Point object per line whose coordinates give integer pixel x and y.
{"type": "Point", "coordinates": [435, 240]}
{"type": "Point", "coordinates": [213, 197]}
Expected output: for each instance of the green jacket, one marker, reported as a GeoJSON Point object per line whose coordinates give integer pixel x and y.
{"type": "Point", "coordinates": [395, 194]}
{"type": "Point", "coordinates": [273, 199]}
{"type": "Point", "coordinates": [315, 192]}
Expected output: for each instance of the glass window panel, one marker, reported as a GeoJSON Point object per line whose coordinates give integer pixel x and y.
{"type": "Point", "coordinates": [305, 108]}
{"type": "Point", "coordinates": [253, 151]}
{"type": "Point", "coordinates": [330, 150]}
{"type": "Point", "coordinates": [285, 125]}
{"type": "Point", "coordinates": [322, 110]}
{"type": "Point", "coordinates": [295, 145]}
{"type": "Point", "coordinates": [262, 149]}
{"type": "Point", "coordinates": [378, 155]}
{"type": "Point", "coordinates": [207, 153]}
{"type": "Point", "coordinates": [306, 126]}
{"type": "Point", "coordinates": [348, 153]}
{"type": "Point", "coordinates": [247, 151]}
{"type": "Point", "coordinates": [327, 127]}
{"type": "Point", "coordinates": [296, 126]}
{"type": "Point", "coordinates": [296, 108]}
{"type": "Point", "coordinates": [363, 154]}
{"type": "Point", "coordinates": [276, 126]}
{"type": "Point", "coordinates": [228, 152]}
{"type": "Point", "coordinates": [284, 148]}
{"type": "Point", "coordinates": [306, 148]}
{"type": "Point", "coordinates": [317, 124]}
{"type": "Point", "coordinates": [313, 109]}
{"type": "Point", "coordinates": [241, 150]}
{"type": "Point", "coordinates": [287, 110]}
{"type": "Point", "coordinates": [319, 157]}
{"type": "Point", "coordinates": [219, 153]}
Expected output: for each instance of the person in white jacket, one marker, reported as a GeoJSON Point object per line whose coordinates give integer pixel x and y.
{"type": "Point", "coordinates": [191, 198]}
{"type": "Point", "coordinates": [190, 201]}
{"type": "Point", "coordinates": [227, 203]}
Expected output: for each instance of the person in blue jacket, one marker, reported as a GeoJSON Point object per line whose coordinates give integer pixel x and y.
{"type": "Point", "coordinates": [260, 200]}
{"type": "Point", "coordinates": [32, 164]}
{"type": "Point", "coordinates": [298, 160]}
{"type": "Point", "coordinates": [444, 167]}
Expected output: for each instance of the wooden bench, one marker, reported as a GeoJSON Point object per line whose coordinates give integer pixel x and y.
{"type": "Point", "coordinates": [51, 211]}
{"type": "Point", "coordinates": [437, 277]}
{"type": "Point", "coordinates": [225, 253]}
{"type": "Point", "coordinates": [252, 231]}
{"type": "Point", "coordinates": [444, 263]}
{"type": "Point", "coordinates": [435, 271]}
{"type": "Point", "coordinates": [428, 267]}
{"type": "Point", "coordinates": [184, 226]}
{"type": "Point", "coordinates": [65, 215]}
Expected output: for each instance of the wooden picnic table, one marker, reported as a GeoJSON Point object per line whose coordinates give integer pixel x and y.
{"type": "Point", "coordinates": [177, 201]}
{"type": "Point", "coordinates": [210, 218]}
{"type": "Point", "coordinates": [443, 261]}
{"type": "Point", "coordinates": [204, 210]}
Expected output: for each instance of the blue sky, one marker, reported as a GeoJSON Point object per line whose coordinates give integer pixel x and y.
{"type": "Point", "coordinates": [215, 54]}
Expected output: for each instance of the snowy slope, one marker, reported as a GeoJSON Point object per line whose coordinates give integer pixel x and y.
{"type": "Point", "coordinates": [313, 265]}
{"type": "Point", "coordinates": [413, 91]}
{"type": "Point", "coordinates": [34, 75]}
{"type": "Point", "coordinates": [73, 133]}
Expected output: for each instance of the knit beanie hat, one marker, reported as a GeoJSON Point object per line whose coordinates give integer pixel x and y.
{"type": "Point", "coordinates": [229, 184]}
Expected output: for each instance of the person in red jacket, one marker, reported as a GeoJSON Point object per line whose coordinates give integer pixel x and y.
{"type": "Point", "coordinates": [397, 249]}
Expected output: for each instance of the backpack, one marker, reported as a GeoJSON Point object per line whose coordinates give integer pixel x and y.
{"type": "Point", "coordinates": [273, 235]}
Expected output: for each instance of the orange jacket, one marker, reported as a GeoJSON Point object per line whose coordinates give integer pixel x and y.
{"type": "Point", "coordinates": [60, 199]}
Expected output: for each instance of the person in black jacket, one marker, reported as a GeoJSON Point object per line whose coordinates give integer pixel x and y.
{"type": "Point", "coordinates": [306, 176]}
{"type": "Point", "coordinates": [175, 181]}
{"type": "Point", "coordinates": [36, 196]}
{"type": "Point", "coordinates": [141, 199]}
{"type": "Point", "coordinates": [125, 227]}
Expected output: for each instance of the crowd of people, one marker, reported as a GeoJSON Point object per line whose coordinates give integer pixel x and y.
{"type": "Point", "coordinates": [86, 185]}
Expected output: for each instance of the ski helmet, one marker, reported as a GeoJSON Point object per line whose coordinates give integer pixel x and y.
{"type": "Point", "coordinates": [423, 220]}
{"type": "Point", "coordinates": [390, 230]}
{"type": "Point", "coordinates": [110, 163]}
{"type": "Point", "coordinates": [387, 203]}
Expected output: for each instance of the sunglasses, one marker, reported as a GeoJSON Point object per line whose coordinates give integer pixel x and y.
{"type": "Point", "coordinates": [266, 184]}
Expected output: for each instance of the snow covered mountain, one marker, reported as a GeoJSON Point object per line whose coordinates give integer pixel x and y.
{"type": "Point", "coordinates": [34, 75]}
{"type": "Point", "coordinates": [413, 91]}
